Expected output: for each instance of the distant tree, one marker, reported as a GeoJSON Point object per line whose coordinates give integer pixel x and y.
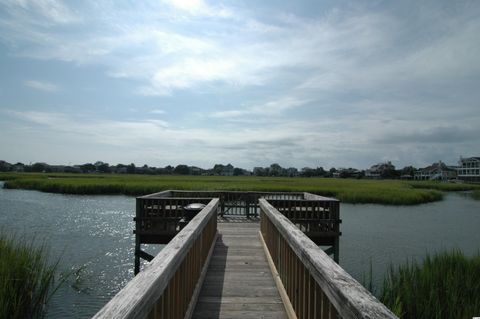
{"type": "Point", "coordinates": [131, 168]}
{"type": "Point", "coordinates": [218, 169]}
{"type": "Point", "coordinates": [390, 173]}
{"type": "Point", "coordinates": [237, 171]}
{"type": "Point", "coordinates": [39, 167]}
{"type": "Point", "coordinates": [320, 171]}
{"type": "Point", "coordinates": [145, 169]}
{"type": "Point", "coordinates": [181, 170]}
{"type": "Point", "coordinates": [5, 166]}
{"type": "Point", "coordinates": [88, 168]}
{"type": "Point", "coordinates": [275, 170]}
{"type": "Point", "coordinates": [259, 171]}
{"type": "Point", "coordinates": [331, 171]}
{"type": "Point", "coordinates": [291, 172]}
{"type": "Point", "coordinates": [103, 168]}
{"type": "Point", "coordinates": [168, 169]}
{"type": "Point", "coordinates": [307, 172]}
{"type": "Point", "coordinates": [408, 170]}
{"type": "Point", "coordinates": [361, 174]}
{"type": "Point", "coordinates": [19, 167]}
{"type": "Point", "coordinates": [70, 169]}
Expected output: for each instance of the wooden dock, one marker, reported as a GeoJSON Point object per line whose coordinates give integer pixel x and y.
{"type": "Point", "coordinates": [244, 255]}
{"type": "Point", "coordinates": [239, 283]}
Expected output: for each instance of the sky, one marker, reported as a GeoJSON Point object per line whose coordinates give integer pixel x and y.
{"type": "Point", "coordinates": [251, 83]}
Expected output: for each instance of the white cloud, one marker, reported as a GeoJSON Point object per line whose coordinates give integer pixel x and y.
{"type": "Point", "coordinates": [272, 108]}
{"type": "Point", "coordinates": [343, 50]}
{"type": "Point", "coordinates": [42, 86]}
{"type": "Point", "coordinates": [41, 12]}
{"type": "Point", "coordinates": [199, 7]}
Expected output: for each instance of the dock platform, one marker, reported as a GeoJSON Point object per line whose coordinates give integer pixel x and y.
{"type": "Point", "coordinates": [243, 255]}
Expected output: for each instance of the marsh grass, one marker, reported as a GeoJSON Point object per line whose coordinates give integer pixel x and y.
{"type": "Point", "coordinates": [27, 278]}
{"type": "Point", "coordinates": [444, 285]}
{"type": "Point", "coordinates": [445, 187]}
{"type": "Point", "coordinates": [389, 192]}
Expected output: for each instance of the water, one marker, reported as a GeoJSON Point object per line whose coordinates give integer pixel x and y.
{"type": "Point", "coordinates": [96, 232]}
{"type": "Point", "coordinates": [89, 232]}
{"type": "Point", "coordinates": [379, 235]}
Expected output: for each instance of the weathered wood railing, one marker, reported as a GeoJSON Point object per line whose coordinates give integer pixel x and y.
{"type": "Point", "coordinates": [316, 216]}
{"type": "Point", "coordinates": [232, 203]}
{"type": "Point", "coordinates": [316, 286]}
{"type": "Point", "coordinates": [169, 286]}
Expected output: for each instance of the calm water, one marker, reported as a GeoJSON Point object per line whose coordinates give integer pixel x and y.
{"type": "Point", "coordinates": [96, 232]}
{"type": "Point", "coordinates": [380, 235]}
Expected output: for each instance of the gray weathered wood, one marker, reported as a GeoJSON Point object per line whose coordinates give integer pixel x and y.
{"type": "Point", "coordinates": [310, 196]}
{"type": "Point", "coordinates": [166, 193]}
{"type": "Point", "coordinates": [350, 298]}
{"type": "Point", "coordinates": [239, 283]}
{"type": "Point", "coordinates": [137, 298]}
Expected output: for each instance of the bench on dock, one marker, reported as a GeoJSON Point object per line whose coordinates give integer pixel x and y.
{"type": "Point", "coordinates": [261, 264]}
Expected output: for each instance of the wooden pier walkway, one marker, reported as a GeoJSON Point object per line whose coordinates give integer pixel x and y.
{"type": "Point", "coordinates": [234, 256]}
{"type": "Point", "coordinates": [239, 283]}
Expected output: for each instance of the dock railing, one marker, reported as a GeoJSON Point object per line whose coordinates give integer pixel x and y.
{"type": "Point", "coordinates": [232, 203]}
{"type": "Point", "coordinates": [312, 284]}
{"type": "Point", "coordinates": [168, 287]}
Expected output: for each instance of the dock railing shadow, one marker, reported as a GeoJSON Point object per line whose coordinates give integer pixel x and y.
{"type": "Point", "coordinates": [210, 300]}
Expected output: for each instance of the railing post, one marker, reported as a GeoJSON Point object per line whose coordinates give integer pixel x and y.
{"type": "Point", "coordinates": [222, 204]}
{"type": "Point", "coordinates": [336, 241]}
{"type": "Point", "coordinates": [138, 213]}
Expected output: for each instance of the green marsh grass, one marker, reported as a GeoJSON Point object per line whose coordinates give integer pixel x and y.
{"type": "Point", "coordinates": [444, 285]}
{"type": "Point", "coordinates": [442, 186]}
{"type": "Point", "coordinates": [26, 278]}
{"type": "Point", "coordinates": [389, 192]}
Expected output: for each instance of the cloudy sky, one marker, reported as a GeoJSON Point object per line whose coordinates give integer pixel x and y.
{"type": "Point", "coordinates": [312, 83]}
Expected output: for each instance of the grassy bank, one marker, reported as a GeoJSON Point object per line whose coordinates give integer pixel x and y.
{"type": "Point", "coordinates": [445, 285]}
{"type": "Point", "coordinates": [444, 187]}
{"type": "Point", "coordinates": [390, 192]}
{"type": "Point", "coordinates": [26, 278]}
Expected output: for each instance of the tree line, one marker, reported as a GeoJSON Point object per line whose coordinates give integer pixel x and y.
{"type": "Point", "coordinates": [218, 170]}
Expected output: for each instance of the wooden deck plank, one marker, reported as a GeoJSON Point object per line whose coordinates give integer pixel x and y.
{"type": "Point", "coordinates": [239, 283]}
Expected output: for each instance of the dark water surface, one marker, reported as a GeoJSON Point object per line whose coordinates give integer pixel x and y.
{"type": "Point", "coordinates": [380, 235]}
{"type": "Point", "coordinates": [96, 232]}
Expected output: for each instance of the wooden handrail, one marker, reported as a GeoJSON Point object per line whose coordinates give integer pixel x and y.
{"type": "Point", "coordinates": [316, 286]}
{"type": "Point", "coordinates": [166, 193]}
{"type": "Point", "coordinates": [169, 285]}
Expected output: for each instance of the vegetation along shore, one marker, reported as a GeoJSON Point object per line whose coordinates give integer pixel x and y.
{"type": "Point", "coordinates": [389, 192]}
{"type": "Point", "coordinates": [444, 285]}
{"type": "Point", "coordinates": [26, 277]}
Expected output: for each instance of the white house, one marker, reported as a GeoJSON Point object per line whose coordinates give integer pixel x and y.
{"type": "Point", "coordinates": [469, 169]}
{"type": "Point", "coordinates": [437, 171]}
